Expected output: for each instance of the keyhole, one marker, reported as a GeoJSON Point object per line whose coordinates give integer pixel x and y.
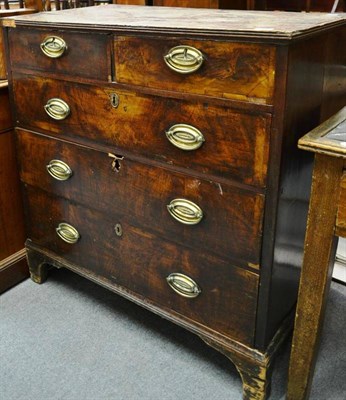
{"type": "Point", "coordinates": [116, 165]}
{"type": "Point", "coordinates": [118, 230]}
{"type": "Point", "coordinates": [114, 100]}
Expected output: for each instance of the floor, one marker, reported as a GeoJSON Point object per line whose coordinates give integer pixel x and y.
{"type": "Point", "coordinates": [71, 339]}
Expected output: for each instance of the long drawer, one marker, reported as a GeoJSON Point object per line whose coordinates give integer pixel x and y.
{"type": "Point", "coordinates": [82, 55]}
{"type": "Point", "coordinates": [209, 139]}
{"type": "Point", "coordinates": [193, 283]}
{"type": "Point", "coordinates": [240, 71]}
{"type": "Point", "coordinates": [195, 212]}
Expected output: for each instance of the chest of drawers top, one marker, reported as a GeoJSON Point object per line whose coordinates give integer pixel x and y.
{"type": "Point", "coordinates": [215, 53]}
{"type": "Point", "coordinates": [222, 23]}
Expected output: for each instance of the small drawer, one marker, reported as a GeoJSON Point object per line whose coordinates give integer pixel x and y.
{"type": "Point", "coordinates": [239, 71]}
{"type": "Point", "coordinates": [207, 138]}
{"type": "Point", "coordinates": [81, 55]}
{"type": "Point", "coordinates": [202, 288]}
{"type": "Point", "coordinates": [195, 212]}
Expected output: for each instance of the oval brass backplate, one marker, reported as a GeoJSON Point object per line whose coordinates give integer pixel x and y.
{"type": "Point", "coordinates": [59, 170]}
{"type": "Point", "coordinates": [185, 211]}
{"type": "Point", "coordinates": [53, 46]}
{"type": "Point", "coordinates": [67, 233]}
{"type": "Point", "coordinates": [184, 59]}
{"type": "Point", "coordinates": [185, 137]}
{"type": "Point", "coordinates": [183, 285]}
{"type": "Point", "coordinates": [57, 109]}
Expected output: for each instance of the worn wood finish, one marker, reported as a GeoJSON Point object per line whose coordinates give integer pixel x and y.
{"type": "Point", "coordinates": [326, 219]}
{"type": "Point", "coordinates": [239, 138]}
{"type": "Point", "coordinates": [255, 372]}
{"type": "Point", "coordinates": [93, 50]}
{"type": "Point", "coordinates": [3, 14]}
{"type": "Point", "coordinates": [328, 137]}
{"type": "Point", "coordinates": [231, 70]}
{"type": "Point", "coordinates": [131, 2]}
{"type": "Point", "coordinates": [187, 3]}
{"type": "Point", "coordinates": [341, 214]}
{"type": "Point", "coordinates": [2, 57]}
{"type": "Point", "coordinates": [302, 74]}
{"type": "Point", "coordinates": [178, 21]}
{"type": "Point", "coordinates": [232, 291]}
{"type": "Point", "coordinates": [314, 284]}
{"type": "Point", "coordinates": [231, 226]}
{"type": "Point", "coordinates": [305, 103]}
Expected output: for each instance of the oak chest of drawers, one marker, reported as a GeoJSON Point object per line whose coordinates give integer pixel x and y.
{"type": "Point", "coordinates": [157, 151]}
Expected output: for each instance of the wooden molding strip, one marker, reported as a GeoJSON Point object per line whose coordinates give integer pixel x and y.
{"type": "Point", "coordinates": [12, 259]}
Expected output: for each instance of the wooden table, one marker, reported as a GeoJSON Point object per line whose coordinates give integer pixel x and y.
{"type": "Point", "coordinates": [326, 221]}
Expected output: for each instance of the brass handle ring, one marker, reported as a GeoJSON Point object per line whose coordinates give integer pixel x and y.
{"type": "Point", "coordinates": [183, 285]}
{"type": "Point", "coordinates": [57, 109]}
{"type": "Point", "coordinates": [185, 211]}
{"type": "Point", "coordinates": [185, 137]}
{"type": "Point", "coordinates": [184, 59]}
{"type": "Point", "coordinates": [59, 170]}
{"type": "Point", "coordinates": [67, 233]}
{"type": "Point", "coordinates": [53, 46]}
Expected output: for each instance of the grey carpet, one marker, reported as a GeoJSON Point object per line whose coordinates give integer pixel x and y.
{"type": "Point", "coordinates": [70, 339]}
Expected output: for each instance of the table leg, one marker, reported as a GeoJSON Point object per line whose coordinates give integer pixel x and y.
{"type": "Point", "coordinates": [319, 253]}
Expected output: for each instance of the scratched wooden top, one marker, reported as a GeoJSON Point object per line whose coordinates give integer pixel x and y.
{"type": "Point", "coordinates": [327, 138]}
{"type": "Point", "coordinates": [274, 25]}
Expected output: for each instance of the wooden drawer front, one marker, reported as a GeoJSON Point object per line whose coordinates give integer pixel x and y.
{"type": "Point", "coordinates": [237, 71]}
{"type": "Point", "coordinates": [236, 145]}
{"type": "Point", "coordinates": [232, 219]}
{"type": "Point", "coordinates": [140, 262]}
{"type": "Point", "coordinates": [87, 55]}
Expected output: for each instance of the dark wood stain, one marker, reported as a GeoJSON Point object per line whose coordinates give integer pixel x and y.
{"type": "Point", "coordinates": [265, 82]}
{"type": "Point", "coordinates": [236, 144]}
{"type": "Point", "coordinates": [124, 261]}
{"type": "Point", "coordinates": [87, 56]}
{"type": "Point", "coordinates": [232, 222]}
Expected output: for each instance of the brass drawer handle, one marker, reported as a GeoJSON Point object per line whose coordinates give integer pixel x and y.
{"type": "Point", "coordinates": [184, 59]}
{"type": "Point", "coordinates": [53, 46]}
{"type": "Point", "coordinates": [59, 170]}
{"type": "Point", "coordinates": [183, 285]}
{"type": "Point", "coordinates": [185, 137]}
{"type": "Point", "coordinates": [57, 109]}
{"type": "Point", "coordinates": [67, 233]}
{"type": "Point", "coordinates": [185, 211]}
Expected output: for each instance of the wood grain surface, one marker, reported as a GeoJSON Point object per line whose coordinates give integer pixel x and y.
{"type": "Point", "coordinates": [236, 144]}
{"type": "Point", "coordinates": [232, 222]}
{"type": "Point", "coordinates": [231, 70]}
{"type": "Point", "coordinates": [233, 23]}
{"type": "Point", "coordinates": [319, 255]}
{"type": "Point", "coordinates": [86, 56]}
{"type": "Point", "coordinates": [341, 214]}
{"type": "Point", "coordinates": [141, 261]}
